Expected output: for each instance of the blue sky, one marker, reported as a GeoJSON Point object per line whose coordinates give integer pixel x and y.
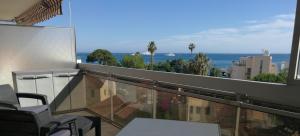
{"type": "Point", "coordinates": [215, 26]}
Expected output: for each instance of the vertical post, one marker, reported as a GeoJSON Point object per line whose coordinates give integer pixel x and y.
{"type": "Point", "coordinates": [154, 94]}
{"type": "Point", "coordinates": [69, 92]}
{"type": "Point", "coordinates": [294, 58]}
{"type": "Point", "coordinates": [111, 100]}
{"type": "Point", "coordinates": [237, 121]}
{"type": "Point", "coordinates": [187, 109]}
{"type": "Point", "coordinates": [35, 85]}
{"type": "Point", "coordinates": [70, 14]}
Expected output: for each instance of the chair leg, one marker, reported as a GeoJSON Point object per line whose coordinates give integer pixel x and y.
{"type": "Point", "coordinates": [97, 127]}
{"type": "Point", "coordinates": [80, 133]}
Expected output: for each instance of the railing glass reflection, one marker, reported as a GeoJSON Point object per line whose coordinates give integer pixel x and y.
{"type": "Point", "coordinates": [131, 101]}
{"type": "Point", "coordinates": [121, 100]}
{"type": "Point", "coordinates": [98, 96]}
{"type": "Point", "coordinates": [254, 123]}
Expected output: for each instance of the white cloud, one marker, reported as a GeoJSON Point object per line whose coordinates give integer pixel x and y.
{"type": "Point", "coordinates": [286, 16]}
{"type": "Point", "coordinates": [274, 33]}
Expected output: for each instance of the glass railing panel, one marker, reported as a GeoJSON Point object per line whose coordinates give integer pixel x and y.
{"type": "Point", "coordinates": [211, 112]}
{"type": "Point", "coordinates": [130, 101]}
{"type": "Point", "coordinates": [170, 106]}
{"type": "Point", "coordinates": [70, 92]}
{"type": "Point", "coordinates": [298, 75]}
{"type": "Point", "coordinates": [253, 123]}
{"type": "Point", "coordinates": [98, 96]}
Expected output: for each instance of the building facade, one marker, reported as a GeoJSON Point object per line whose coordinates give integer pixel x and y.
{"type": "Point", "coordinates": [251, 66]}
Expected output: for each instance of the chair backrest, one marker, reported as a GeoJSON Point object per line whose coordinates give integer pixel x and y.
{"type": "Point", "coordinates": [7, 94]}
{"type": "Point", "coordinates": [18, 123]}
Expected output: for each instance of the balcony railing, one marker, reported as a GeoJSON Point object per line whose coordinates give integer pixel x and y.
{"type": "Point", "coordinates": [119, 98]}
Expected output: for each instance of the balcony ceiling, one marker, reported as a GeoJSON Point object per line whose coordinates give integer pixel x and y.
{"type": "Point", "coordinates": [9, 9]}
{"type": "Point", "coordinates": [29, 12]}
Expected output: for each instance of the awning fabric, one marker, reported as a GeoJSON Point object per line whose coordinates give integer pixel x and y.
{"type": "Point", "coordinates": [41, 11]}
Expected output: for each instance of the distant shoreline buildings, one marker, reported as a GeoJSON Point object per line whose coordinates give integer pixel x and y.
{"type": "Point", "coordinates": [250, 66]}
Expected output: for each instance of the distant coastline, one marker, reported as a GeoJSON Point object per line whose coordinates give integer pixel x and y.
{"type": "Point", "coordinates": [219, 60]}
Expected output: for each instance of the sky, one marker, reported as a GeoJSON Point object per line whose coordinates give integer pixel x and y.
{"type": "Point", "coordinates": [215, 26]}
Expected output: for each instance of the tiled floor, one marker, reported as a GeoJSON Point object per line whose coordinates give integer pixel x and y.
{"type": "Point", "coordinates": [106, 128]}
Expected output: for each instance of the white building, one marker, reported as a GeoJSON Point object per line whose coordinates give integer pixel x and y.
{"type": "Point", "coordinates": [251, 66]}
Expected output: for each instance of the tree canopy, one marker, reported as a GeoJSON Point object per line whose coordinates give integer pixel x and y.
{"type": "Point", "coordinates": [192, 46]}
{"type": "Point", "coordinates": [133, 61]}
{"type": "Point", "coordinates": [267, 77]}
{"type": "Point", "coordinates": [151, 48]}
{"type": "Point", "coordinates": [102, 56]}
{"type": "Point", "coordinates": [199, 65]}
{"type": "Point", "coordinates": [215, 72]}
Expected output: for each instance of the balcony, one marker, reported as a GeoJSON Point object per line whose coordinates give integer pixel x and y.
{"type": "Point", "coordinates": [119, 98]}
{"type": "Point", "coordinates": [118, 95]}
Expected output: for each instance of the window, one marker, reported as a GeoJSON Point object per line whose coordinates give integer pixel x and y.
{"type": "Point", "coordinates": [92, 93]}
{"type": "Point", "coordinates": [207, 110]}
{"type": "Point", "coordinates": [198, 110]}
{"type": "Point", "coordinates": [191, 109]}
{"type": "Point", "coordinates": [248, 73]}
{"type": "Point", "coordinates": [261, 66]}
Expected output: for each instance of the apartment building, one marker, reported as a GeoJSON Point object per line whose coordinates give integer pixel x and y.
{"type": "Point", "coordinates": [251, 66]}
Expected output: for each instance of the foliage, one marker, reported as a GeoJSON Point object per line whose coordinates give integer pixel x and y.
{"type": "Point", "coordinates": [163, 66]}
{"type": "Point", "coordinates": [177, 65]}
{"type": "Point", "coordinates": [199, 65]}
{"type": "Point", "coordinates": [133, 61]}
{"type": "Point", "coordinates": [192, 46]}
{"type": "Point", "coordinates": [151, 48]}
{"type": "Point", "coordinates": [103, 57]}
{"type": "Point", "coordinates": [216, 72]}
{"type": "Point", "coordinates": [267, 77]}
{"type": "Point", "coordinates": [284, 74]}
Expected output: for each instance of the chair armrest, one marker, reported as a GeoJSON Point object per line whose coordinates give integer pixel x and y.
{"type": "Point", "coordinates": [48, 128]}
{"type": "Point", "coordinates": [8, 105]}
{"type": "Point", "coordinates": [55, 126]}
{"type": "Point", "coordinates": [64, 119]}
{"type": "Point", "coordinates": [41, 97]}
{"type": "Point", "coordinates": [36, 109]}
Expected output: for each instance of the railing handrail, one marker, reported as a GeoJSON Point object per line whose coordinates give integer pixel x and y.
{"type": "Point", "coordinates": [240, 100]}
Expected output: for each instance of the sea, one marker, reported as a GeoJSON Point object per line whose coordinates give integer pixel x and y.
{"type": "Point", "coordinates": [219, 60]}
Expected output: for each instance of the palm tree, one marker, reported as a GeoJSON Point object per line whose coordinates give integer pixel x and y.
{"type": "Point", "coordinates": [200, 65]}
{"type": "Point", "coordinates": [192, 47]}
{"type": "Point", "coordinates": [151, 48]}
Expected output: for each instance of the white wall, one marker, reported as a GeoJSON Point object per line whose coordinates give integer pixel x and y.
{"type": "Point", "coordinates": [35, 48]}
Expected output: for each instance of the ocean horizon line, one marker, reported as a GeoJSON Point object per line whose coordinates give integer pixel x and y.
{"type": "Point", "coordinates": [188, 53]}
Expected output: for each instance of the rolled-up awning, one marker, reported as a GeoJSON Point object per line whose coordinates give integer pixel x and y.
{"type": "Point", "coordinates": [29, 12]}
{"type": "Point", "coordinates": [41, 11]}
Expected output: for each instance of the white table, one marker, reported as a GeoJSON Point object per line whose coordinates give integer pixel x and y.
{"type": "Point", "coordinates": [157, 127]}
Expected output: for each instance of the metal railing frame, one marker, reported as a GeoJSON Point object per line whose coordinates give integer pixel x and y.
{"type": "Point", "coordinates": [219, 96]}
{"type": "Point", "coordinates": [239, 101]}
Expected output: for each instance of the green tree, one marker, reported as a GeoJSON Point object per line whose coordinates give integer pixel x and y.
{"type": "Point", "coordinates": [176, 65]}
{"type": "Point", "coordinates": [103, 57]}
{"type": "Point", "coordinates": [283, 74]}
{"type": "Point", "coordinates": [179, 66]}
{"type": "Point", "coordinates": [133, 61]}
{"type": "Point", "coordinates": [192, 46]}
{"type": "Point", "coordinates": [163, 66]}
{"type": "Point", "coordinates": [216, 72]}
{"type": "Point", "coordinates": [151, 48]}
{"type": "Point", "coordinates": [267, 77]}
{"type": "Point", "coordinates": [199, 65]}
